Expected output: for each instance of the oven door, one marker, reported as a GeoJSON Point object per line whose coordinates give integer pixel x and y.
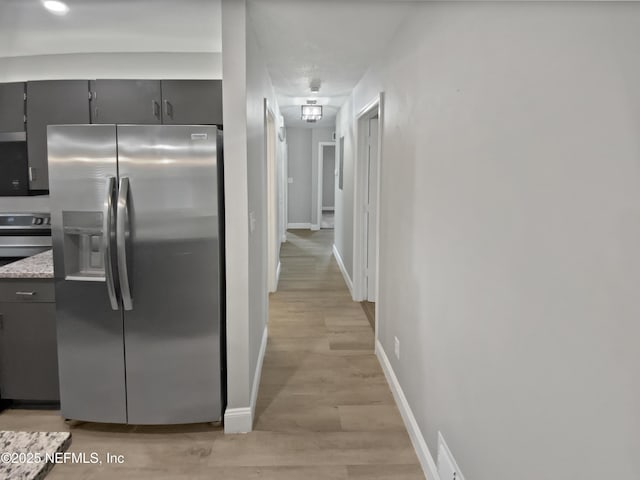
{"type": "Point", "coordinates": [14, 164]}
{"type": "Point", "coordinates": [23, 235]}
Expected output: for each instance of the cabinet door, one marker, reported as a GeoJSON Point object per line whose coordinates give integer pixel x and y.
{"type": "Point", "coordinates": [192, 102]}
{"type": "Point", "coordinates": [51, 102]}
{"type": "Point", "coordinates": [12, 107]}
{"type": "Point", "coordinates": [28, 351]}
{"type": "Point", "coordinates": [125, 101]}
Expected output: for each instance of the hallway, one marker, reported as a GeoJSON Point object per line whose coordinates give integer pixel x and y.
{"type": "Point", "coordinates": [321, 381]}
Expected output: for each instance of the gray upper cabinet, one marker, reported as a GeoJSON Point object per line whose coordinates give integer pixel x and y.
{"type": "Point", "coordinates": [126, 101]}
{"type": "Point", "coordinates": [187, 102]}
{"type": "Point", "coordinates": [12, 107]}
{"type": "Point", "coordinates": [51, 102]}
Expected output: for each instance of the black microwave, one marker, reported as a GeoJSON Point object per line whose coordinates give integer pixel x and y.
{"type": "Point", "coordinates": [14, 164]}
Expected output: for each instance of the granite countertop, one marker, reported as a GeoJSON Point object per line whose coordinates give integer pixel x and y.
{"type": "Point", "coordinates": [37, 266]}
{"type": "Point", "coordinates": [33, 448]}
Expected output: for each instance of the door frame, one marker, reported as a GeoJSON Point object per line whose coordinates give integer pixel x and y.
{"type": "Point", "coordinates": [284, 192]}
{"type": "Point", "coordinates": [361, 179]}
{"type": "Point", "coordinates": [272, 207]}
{"type": "Point", "coordinates": [320, 172]}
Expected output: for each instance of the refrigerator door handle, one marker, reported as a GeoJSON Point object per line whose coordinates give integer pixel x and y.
{"type": "Point", "coordinates": [107, 219]}
{"type": "Point", "coordinates": [122, 230]}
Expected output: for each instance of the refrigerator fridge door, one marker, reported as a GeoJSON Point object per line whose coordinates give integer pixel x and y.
{"type": "Point", "coordinates": [170, 240]}
{"type": "Point", "coordinates": [83, 173]}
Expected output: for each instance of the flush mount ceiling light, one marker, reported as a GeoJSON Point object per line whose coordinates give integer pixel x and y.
{"type": "Point", "coordinates": [56, 7]}
{"type": "Point", "coordinates": [311, 113]}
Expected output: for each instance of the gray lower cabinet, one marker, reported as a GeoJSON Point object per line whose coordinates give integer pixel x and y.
{"type": "Point", "coordinates": [28, 345]}
{"type": "Point", "coordinates": [51, 102]}
{"type": "Point", "coordinates": [192, 102]}
{"type": "Point", "coordinates": [126, 101]}
{"type": "Point", "coordinates": [12, 107]}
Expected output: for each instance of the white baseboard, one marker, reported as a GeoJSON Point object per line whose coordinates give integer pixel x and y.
{"type": "Point", "coordinates": [343, 269]}
{"type": "Point", "coordinates": [295, 226]}
{"type": "Point", "coordinates": [256, 376]}
{"type": "Point", "coordinates": [283, 239]}
{"type": "Point", "coordinates": [328, 209]}
{"type": "Point", "coordinates": [240, 420]}
{"type": "Point", "coordinates": [417, 439]}
{"type": "Point", "coordinates": [315, 226]}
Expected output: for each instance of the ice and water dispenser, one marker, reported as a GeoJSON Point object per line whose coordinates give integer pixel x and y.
{"type": "Point", "coordinates": [83, 246]}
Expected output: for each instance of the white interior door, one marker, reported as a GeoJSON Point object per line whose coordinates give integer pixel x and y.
{"type": "Point", "coordinates": [372, 206]}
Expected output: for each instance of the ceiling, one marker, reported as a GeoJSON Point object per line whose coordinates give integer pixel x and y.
{"type": "Point", "coordinates": [26, 28]}
{"type": "Point", "coordinates": [333, 41]}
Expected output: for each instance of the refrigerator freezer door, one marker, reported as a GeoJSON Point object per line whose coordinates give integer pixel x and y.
{"type": "Point", "coordinates": [172, 333]}
{"type": "Point", "coordinates": [82, 159]}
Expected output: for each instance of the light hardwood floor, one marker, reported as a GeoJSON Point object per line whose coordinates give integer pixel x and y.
{"type": "Point", "coordinates": [324, 411]}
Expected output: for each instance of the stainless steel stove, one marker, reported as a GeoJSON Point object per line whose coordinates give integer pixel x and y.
{"type": "Point", "coordinates": [23, 235]}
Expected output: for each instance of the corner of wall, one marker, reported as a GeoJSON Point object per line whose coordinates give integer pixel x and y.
{"type": "Point", "coordinates": [343, 269]}
{"type": "Point", "coordinates": [240, 420]}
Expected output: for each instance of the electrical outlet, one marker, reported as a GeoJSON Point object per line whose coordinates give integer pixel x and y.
{"type": "Point", "coordinates": [396, 347]}
{"type": "Point", "coordinates": [290, 180]}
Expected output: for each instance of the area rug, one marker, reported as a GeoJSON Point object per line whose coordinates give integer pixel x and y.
{"type": "Point", "coordinates": [30, 455]}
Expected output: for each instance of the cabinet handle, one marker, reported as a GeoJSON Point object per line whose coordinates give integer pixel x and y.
{"type": "Point", "coordinates": [32, 174]}
{"type": "Point", "coordinates": [168, 108]}
{"type": "Point", "coordinates": [155, 108]}
{"type": "Point", "coordinates": [26, 294]}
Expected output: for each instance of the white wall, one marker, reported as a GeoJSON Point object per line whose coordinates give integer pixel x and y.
{"type": "Point", "coordinates": [343, 228]}
{"type": "Point", "coordinates": [303, 168]}
{"type": "Point", "coordinates": [182, 65]}
{"type": "Point", "coordinates": [299, 169]}
{"type": "Point", "coordinates": [238, 416]}
{"type": "Point", "coordinates": [259, 87]}
{"type": "Point", "coordinates": [510, 224]}
{"type": "Point", "coordinates": [246, 84]}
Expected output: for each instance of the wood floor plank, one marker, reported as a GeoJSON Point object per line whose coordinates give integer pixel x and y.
{"type": "Point", "coordinates": [385, 472]}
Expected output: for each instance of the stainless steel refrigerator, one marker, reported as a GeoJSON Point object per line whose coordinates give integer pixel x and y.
{"type": "Point", "coordinates": [136, 217]}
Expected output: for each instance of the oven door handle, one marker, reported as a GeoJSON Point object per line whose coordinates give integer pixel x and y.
{"type": "Point", "coordinates": [107, 221]}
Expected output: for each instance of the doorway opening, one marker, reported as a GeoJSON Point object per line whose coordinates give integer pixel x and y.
{"type": "Point", "coordinates": [366, 213]}
{"type": "Point", "coordinates": [273, 228]}
{"type": "Point", "coordinates": [326, 184]}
